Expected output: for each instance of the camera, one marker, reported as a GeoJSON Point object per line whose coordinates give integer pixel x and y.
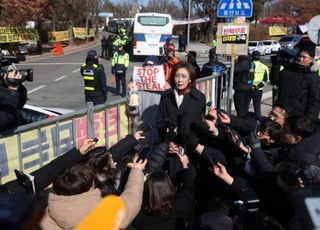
{"type": "Point", "coordinates": [6, 62]}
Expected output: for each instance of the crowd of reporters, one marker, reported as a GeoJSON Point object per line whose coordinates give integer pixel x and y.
{"type": "Point", "coordinates": [206, 171]}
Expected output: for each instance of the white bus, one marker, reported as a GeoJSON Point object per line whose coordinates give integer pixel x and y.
{"type": "Point", "coordinates": [150, 32]}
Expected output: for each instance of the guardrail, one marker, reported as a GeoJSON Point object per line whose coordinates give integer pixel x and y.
{"type": "Point", "coordinates": [33, 145]}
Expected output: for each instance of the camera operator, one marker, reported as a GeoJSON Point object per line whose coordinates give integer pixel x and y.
{"type": "Point", "coordinates": [13, 96]}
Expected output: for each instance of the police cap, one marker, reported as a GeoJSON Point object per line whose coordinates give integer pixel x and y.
{"type": "Point", "coordinates": [92, 53]}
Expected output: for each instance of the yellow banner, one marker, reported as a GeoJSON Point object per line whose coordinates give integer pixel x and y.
{"type": "Point", "coordinates": [278, 30]}
{"type": "Point", "coordinates": [80, 32]}
{"type": "Point", "coordinates": [92, 32]}
{"type": "Point", "coordinates": [58, 36]}
{"type": "Point", "coordinates": [17, 34]}
{"type": "Point", "coordinates": [39, 147]}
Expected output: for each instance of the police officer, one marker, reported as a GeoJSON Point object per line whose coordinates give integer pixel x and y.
{"type": "Point", "coordinates": [120, 63]}
{"type": "Point", "coordinates": [261, 77]}
{"type": "Point", "coordinates": [242, 85]}
{"type": "Point", "coordinates": [103, 46]}
{"type": "Point", "coordinates": [95, 84]}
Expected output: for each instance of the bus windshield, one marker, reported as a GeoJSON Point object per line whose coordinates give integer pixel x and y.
{"type": "Point", "coordinates": [153, 20]}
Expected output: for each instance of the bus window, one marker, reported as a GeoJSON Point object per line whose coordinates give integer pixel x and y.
{"type": "Point", "coordinates": [153, 21]}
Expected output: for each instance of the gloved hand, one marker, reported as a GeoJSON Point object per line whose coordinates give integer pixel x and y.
{"type": "Point", "coordinates": [254, 141]}
{"type": "Point", "coordinates": [260, 85]}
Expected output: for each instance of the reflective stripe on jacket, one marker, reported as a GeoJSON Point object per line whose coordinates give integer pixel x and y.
{"type": "Point", "coordinates": [261, 74]}
{"type": "Point", "coordinates": [120, 62]}
{"type": "Point", "coordinates": [89, 75]}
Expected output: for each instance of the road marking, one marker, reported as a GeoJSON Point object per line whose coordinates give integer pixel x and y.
{"type": "Point", "coordinates": [52, 63]}
{"type": "Point", "coordinates": [59, 78]}
{"type": "Point", "coordinates": [35, 89]}
{"type": "Point", "coordinates": [77, 70]}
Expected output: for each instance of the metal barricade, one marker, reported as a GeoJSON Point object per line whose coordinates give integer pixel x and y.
{"type": "Point", "coordinates": [34, 145]}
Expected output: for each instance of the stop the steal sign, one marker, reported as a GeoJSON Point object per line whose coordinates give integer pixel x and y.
{"type": "Point", "coordinates": [150, 78]}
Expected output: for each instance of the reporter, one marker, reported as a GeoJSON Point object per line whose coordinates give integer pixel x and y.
{"type": "Point", "coordinates": [13, 96]}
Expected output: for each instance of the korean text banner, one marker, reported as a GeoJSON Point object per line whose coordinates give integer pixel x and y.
{"type": "Point", "coordinates": [149, 78]}
{"type": "Point", "coordinates": [58, 36]}
{"type": "Point", "coordinates": [80, 32]}
{"type": "Point", "coordinates": [278, 30]}
{"type": "Point", "coordinates": [32, 149]}
{"type": "Point", "coordinates": [17, 34]}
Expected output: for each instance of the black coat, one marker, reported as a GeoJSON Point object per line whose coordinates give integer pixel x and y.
{"type": "Point", "coordinates": [10, 103]}
{"type": "Point", "coordinates": [299, 91]}
{"type": "Point", "coordinates": [45, 175]}
{"type": "Point", "coordinates": [242, 77]}
{"type": "Point", "coordinates": [193, 107]}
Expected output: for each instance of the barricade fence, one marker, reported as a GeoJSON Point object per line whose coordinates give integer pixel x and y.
{"type": "Point", "coordinates": [31, 146]}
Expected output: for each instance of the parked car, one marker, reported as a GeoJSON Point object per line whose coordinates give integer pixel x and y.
{"type": "Point", "coordinates": [32, 113]}
{"type": "Point", "coordinates": [272, 46]}
{"type": "Point", "coordinates": [290, 41]}
{"type": "Point", "coordinates": [257, 46]}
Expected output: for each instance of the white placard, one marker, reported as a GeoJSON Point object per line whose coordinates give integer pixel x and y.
{"type": "Point", "coordinates": [150, 78]}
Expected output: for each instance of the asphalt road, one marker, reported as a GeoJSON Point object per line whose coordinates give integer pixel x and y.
{"type": "Point", "coordinates": [58, 83]}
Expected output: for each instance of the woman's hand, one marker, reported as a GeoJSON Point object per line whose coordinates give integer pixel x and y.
{"type": "Point", "coordinates": [221, 172]}
{"type": "Point", "coordinates": [184, 160]}
{"type": "Point", "coordinates": [173, 148]}
{"type": "Point", "coordinates": [139, 135]}
{"type": "Point", "coordinates": [211, 126]}
{"type": "Point", "coordinates": [87, 145]}
{"type": "Point", "coordinates": [141, 164]}
{"type": "Point", "coordinates": [224, 118]}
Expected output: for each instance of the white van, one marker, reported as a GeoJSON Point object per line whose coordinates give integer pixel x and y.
{"type": "Point", "coordinates": [150, 32]}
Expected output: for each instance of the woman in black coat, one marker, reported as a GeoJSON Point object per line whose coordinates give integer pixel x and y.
{"type": "Point", "coordinates": [182, 106]}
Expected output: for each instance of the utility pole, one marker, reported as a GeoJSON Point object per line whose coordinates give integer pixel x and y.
{"type": "Point", "coordinates": [189, 14]}
{"type": "Point", "coordinates": [87, 19]}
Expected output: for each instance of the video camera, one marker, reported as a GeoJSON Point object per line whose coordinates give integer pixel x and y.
{"type": "Point", "coordinates": [6, 65]}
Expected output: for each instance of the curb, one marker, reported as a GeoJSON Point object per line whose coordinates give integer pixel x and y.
{"type": "Point", "coordinates": [49, 55]}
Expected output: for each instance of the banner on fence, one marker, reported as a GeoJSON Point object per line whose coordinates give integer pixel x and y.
{"type": "Point", "coordinates": [39, 146]}
{"type": "Point", "coordinates": [58, 36]}
{"type": "Point", "coordinates": [80, 32]}
{"type": "Point", "coordinates": [17, 34]}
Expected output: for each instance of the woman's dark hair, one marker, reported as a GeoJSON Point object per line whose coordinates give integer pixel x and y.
{"type": "Point", "coordinates": [100, 162]}
{"type": "Point", "coordinates": [75, 180]}
{"type": "Point", "coordinates": [299, 126]}
{"type": "Point", "coordinates": [188, 67]}
{"type": "Point", "coordinates": [272, 128]}
{"type": "Point", "coordinates": [159, 194]}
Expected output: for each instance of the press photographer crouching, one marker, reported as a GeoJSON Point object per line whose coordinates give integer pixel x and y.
{"type": "Point", "coordinates": [13, 95]}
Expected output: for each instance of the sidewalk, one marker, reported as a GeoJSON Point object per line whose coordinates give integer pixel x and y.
{"type": "Point", "coordinates": [202, 50]}
{"type": "Point", "coordinates": [66, 50]}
